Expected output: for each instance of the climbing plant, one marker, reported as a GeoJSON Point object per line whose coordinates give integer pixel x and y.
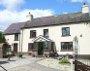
{"type": "Point", "coordinates": [2, 38]}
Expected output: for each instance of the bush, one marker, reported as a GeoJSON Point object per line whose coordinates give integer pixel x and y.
{"type": "Point", "coordinates": [20, 55]}
{"type": "Point", "coordinates": [2, 38]}
{"type": "Point", "coordinates": [64, 60]}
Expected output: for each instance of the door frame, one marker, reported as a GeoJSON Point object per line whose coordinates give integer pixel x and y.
{"type": "Point", "coordinates": [41, 48]}
{"type": "Point", "coordinates": [15, 48]}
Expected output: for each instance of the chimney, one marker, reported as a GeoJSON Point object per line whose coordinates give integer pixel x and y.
{"type": "Point", "coordinates": [85, 8]}
{"type": "Point", "coordinates": [29, 17]}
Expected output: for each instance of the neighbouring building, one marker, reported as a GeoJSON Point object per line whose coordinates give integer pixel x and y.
{"type": "Point", "coordinates": [46, 35]}
{"type": "Point", "coordinates": [4, 50]}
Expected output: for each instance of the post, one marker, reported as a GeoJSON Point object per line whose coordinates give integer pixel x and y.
{"type": "Point", "coordinates": [75, 40]}
{"type": "Point", "coordinates": [21, 43]}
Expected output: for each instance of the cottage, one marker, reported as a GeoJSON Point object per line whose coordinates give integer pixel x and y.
{"type": "Point", "coordinates": [51, 34]}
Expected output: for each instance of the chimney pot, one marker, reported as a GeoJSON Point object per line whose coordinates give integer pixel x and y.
{"type": "Point", "coordinates": [85, 8]}
{"type": "Point", "coordinates": [29, 16]}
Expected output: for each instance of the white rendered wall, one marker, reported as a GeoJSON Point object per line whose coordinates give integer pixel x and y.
{"type": "Point", "coordinates": [85, 9]}
{"type": "Point", "coordinates": [55, 34]}
{"type": "Point", "coordinates": [10, 40]}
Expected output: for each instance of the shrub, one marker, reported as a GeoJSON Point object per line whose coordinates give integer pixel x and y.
{"type": "Point", "coordinates": [2, 38]}
{"type": "Point", "coordinates": [64, 60]}
{"type": "Point", "coordinates": [20, 55]}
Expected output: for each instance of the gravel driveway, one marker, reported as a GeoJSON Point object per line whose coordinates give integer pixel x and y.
{"type": "Point", "coordinates": [25, 64]}
{"type": "Point", "coordinates": [32, 67]}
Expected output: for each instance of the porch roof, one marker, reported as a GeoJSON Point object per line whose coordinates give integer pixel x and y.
{"type": "Point", "coordinates": [41, 39]}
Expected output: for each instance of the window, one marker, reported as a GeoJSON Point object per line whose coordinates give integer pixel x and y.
{"type": "Point", "coordinates": [45, 33]}
{"type": "Point", "coordinates": [16, 37]}
{"type": "Point", "coordinates": [52, 46]}
{"type": "Point", "coordinates": [30, 46]}
{"type": "Point", "coordinates": [66, 31]}
{"type": "Point", "coordinates": [45, 45]}
{"type": "Point", "coordinates": [66, 46]}
{"type": "Point", "coordinates": [32, 33]}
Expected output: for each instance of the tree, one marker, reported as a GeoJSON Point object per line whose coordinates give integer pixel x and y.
{"type": "Point", "coordinates": [2, 38]}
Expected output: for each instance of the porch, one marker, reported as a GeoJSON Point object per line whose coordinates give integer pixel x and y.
{"type": "Point", "coordinates": [41, 46]}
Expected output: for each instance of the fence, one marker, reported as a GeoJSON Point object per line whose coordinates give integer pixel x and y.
{"type": "Point", "coordinates": [85, 61]}
{"type": "Point", "coordinates": [79, 66]}
{"type": "Point", "coordinates": [3, 68]}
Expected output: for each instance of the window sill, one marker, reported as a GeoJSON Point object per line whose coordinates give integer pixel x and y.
{"type": "Point", "coordinates": [32, 37]}
{"type": "Point", "coordinates": [66, 50]}
{"type": "Point", "coordinates": [16, 40]}
{"type": "Point", "coordinates": [65, 35]}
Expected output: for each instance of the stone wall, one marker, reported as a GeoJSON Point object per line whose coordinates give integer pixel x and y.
{"type": "Point", "coordinates": [1, 50]}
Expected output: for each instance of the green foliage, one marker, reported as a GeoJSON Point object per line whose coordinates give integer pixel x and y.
{"type": "Point", "coordinates": [20, 54]}
{"type": "Point", "coordinates": [6, 50]}
{"type": "Point", "coordinates": [2, 38]}
{"type": "Point", "coordinates": [75, 39]}
{"type": "Point", "coordinates": [64, 60]}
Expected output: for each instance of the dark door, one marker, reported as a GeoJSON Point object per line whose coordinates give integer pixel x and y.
{"type": "Point", "coordinates": [40, 48]}
{"type": "Point", "coordinates": [15, 49]}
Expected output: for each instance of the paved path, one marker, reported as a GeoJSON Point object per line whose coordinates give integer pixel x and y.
{"type": "Point", "coordinates": [54, 63]}
{"type": "Point", "coordinates": [32, 67]}
{"type": "Point", "coordinates": [25, 64]}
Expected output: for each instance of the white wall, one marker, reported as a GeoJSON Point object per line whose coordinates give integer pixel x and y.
{"type": "Point", "coordinates": [85, 9]}
{"type": "Point", "coordinates": [10, 40]}
{"type": "Point", "coordinates": [55, 34]}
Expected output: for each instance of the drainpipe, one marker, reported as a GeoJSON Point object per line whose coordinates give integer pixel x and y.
{"type": "Point", "coordinates": [21, 41]}
{"type": "Point", "coordinates": [75, 40]}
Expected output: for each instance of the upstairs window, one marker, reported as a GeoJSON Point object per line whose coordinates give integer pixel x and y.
{"type": "Point", "coordinates": [16, 37]}
{"type": "Point", "coordinates": [32, 33]}
{"type": "Point", "coordinates": [66, 46]}
{"type": "Point", "coordinates": [66, 31]}
{"type": "Point", "coordinates": [46, 33]}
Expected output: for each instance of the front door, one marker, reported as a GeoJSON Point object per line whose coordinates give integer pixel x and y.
{"type": "Point", "coordinates": [15, 49]}
{"type": "Point", "coordinates": [40, 48]}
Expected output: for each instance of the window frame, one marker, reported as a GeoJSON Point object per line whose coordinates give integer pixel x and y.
{"type": "Point", "coordinates": [16, 37]}
{"type": "Point", "coordinates": [44, 33]}
{"type": "Point", "coordinates": [31, 35]}
{"type": "Point", "coordinates": [46, 45]}
{"type": "Point", "coordinates": [68, 46]}
{"type": "Point", "coordinates": [30, 46]}
{"type": "Point", "coordinates": [65, 32]}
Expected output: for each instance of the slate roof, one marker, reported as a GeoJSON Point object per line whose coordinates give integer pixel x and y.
{"type": "Point", "coordinates": [49, 21]}
{"type": "Point", "coordinates": [57, 20]}
{"type": "Point", "coordinates": [14, 28]}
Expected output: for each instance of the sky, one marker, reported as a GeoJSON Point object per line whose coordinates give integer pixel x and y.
{"type": "Point", "coordinates": [12, 11]}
